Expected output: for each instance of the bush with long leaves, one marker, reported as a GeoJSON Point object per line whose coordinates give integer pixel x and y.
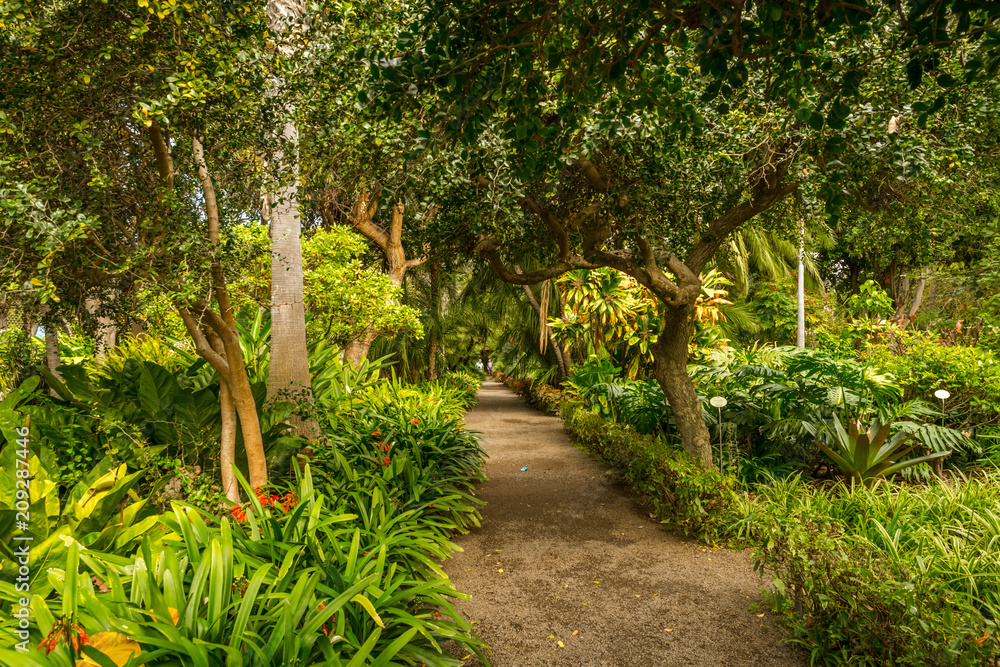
{"type": "Point", "coordinates": [295, 579]}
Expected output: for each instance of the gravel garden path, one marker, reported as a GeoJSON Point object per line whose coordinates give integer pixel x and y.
{"type": "Point", "coordinates": [569, 569]}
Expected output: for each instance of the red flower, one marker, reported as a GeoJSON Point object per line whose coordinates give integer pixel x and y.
{"type": "Point", "coordinates": [62, 628]}
{"type": "Point", "coordinates": [385, 460]}
{"type": "Point", "coordinates": [386, 448]}
{"type": "Point", "coordinates": [377, 432]}
{"type": "Point", "coordinates": [414, 421]}
{"type": "Point", "coordinates": [239, 513]}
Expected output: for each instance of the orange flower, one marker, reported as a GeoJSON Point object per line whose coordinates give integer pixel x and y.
{"type": "Point", "coordinates": [333, 619]}
{"type": "Point", "coordinates": [174, 616]}
{"type": "Point", "coordinates": [414, 421]}
{"type": "Point", "coordinates": [64, 630]}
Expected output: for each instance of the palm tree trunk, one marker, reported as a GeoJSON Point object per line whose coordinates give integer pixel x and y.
{"type": "Point", "coordinates": [288, 374]}
{"type": "Point", "coordinates": [432, 339]}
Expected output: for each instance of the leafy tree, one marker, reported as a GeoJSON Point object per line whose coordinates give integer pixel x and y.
{"type": "Point", "coordinates": [347, 299]}
{"type": "Point", "coordinates": [586, 109]}
{"type": "Point", "coordinates": [117, 119]}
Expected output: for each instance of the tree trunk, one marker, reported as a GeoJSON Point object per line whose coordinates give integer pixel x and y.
{"type": "Point", "coordinates": [432, 344]}
{"type": "Point", "coordinates": [552, 343]}
{"type": "Point", "coordinates": [670, 353]}
{"type": "Point", "coordinates": [390, 243]}
{"type": "Point", "coordinates": [356, 349]}
{"type": "Point", "coordinates": [216, 339]}
{"type": "Point", "coordinates": [432, 338]}
{"type": "Point", "coordinates": [106, 334]}
{"type": "Point", "coordinates": [227, 451]}
{"type": "Point", "coordinates": [918, 297]}
{"type": "Point", "coordinates": [227, 448]}
{"type": "Point", "coordinates": [800, 319]}
{"type": "Point", "coordinates": [288, 375]}
{"type": "Point", "coordinates": [52, 350]}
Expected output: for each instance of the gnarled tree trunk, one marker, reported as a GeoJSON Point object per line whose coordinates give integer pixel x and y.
{"type": "Point", "coordinates": [390, 243]}
{"type": "Point", "coordinates": [670, 353]}
{"type": "Point", "coordinates": [356, 349]}
{"type": "Point", "coordinates": [677, 296]}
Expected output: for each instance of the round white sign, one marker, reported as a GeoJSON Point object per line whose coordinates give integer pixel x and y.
{"type": "Point", "coordinates": [718, 402]}
{"type": "Point", "coordinates": [942, 394]}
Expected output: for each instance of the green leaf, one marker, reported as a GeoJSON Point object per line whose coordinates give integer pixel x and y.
{"type": "Point", "coordinates": [369, 607]}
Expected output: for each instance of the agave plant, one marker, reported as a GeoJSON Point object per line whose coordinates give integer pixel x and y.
{"type": "Point", "coordinates": [876, 452]}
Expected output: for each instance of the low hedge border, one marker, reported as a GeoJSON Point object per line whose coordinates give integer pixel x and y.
{"type": "Point", "coordinates": [681, 493]}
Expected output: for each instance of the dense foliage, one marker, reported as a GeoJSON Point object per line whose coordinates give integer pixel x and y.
{"type": "Point", "coordinates": [256, 257]}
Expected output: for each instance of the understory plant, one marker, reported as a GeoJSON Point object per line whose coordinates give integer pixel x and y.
{"type": "Point", "coordinates": [891, 575]}
{"type": "Point", "coordinates": [290, 579]}
{"type": "Point", "coordinates": [866, 455]}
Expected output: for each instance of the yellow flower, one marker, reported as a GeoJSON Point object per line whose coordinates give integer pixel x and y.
{"type": "Point", "coordinates": [114, 645]}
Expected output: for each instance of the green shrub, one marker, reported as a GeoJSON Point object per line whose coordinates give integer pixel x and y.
{"type": "Point", "coordinates": [887, 576]}
{"type": "Point", "coordinates": [922, 365]}
{"type": "Point", "coordinates": [295, 580]}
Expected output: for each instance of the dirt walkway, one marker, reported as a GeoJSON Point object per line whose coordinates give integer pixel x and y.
{"type": "Point", "coordinates": [565, 556]}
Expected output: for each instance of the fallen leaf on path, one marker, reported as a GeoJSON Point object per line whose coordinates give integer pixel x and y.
{"type": "Point", "coordinates": [500, 570]}
{"type": "Point", "coordinates": [551, 637]}
{"type": "Point", "coordinates": [576, 632]}
{"type": "Point", "coordinates": [667, 630]}
{"type": "Point", "coordinates": [561, 645]}
{"type": "Point", "coordinates": [597, 582]}
{"type": "Point", "coordinates": [760, 615]}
